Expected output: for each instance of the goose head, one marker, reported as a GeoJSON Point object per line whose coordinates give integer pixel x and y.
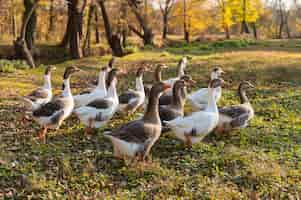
{"type": "Point", "coordinates": [49, 69]}
{"type": "Point", "coordinates": [69, 71]}
{"type": "Point", "coordinates": [246, 85]}
{"type": "Point", "coordinates": [140, 72]}
{"type": "Point", "coordinates": [243, 87]}
{"type": "Point", "coordinates": [112, 77]}
{"type": "Point", "coordinates": [182, 66]}
{"type": "Point", "coordinates": [188, 80]}
{"type": "Point", "coordinates": [111, 62]}
{"type": "Point", "coordinates": [216, 73]}
{"type": "Point", "coordinates": [158, 89]}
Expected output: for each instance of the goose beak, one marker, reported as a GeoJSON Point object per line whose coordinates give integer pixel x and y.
{"type": "Point", "coordinates": [166, 87]}
{"type": "Point", "coordinates": [222, 71]}
{"type": "Point", "coordinates": [164, 66]}
{"type": "Point", "coordinates": [191, 82]}
{"type": "Point", "coordinates": [252, 86]}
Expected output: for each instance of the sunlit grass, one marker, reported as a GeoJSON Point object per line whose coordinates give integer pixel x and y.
{"type": "Point", "coordinates": [262, 160]}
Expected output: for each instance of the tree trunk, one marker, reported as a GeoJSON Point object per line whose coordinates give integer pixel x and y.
{"type": "Point", "coordinates": [65, 41]}
{"type": "Point", "coordinates": [227, 31]}
{"type": "Point", "coordinates": [87, 41]}
{"type": "Point", "coordinates": [244, 27]}
{"type": "Point", "coordinates": [76, 22]}
{"type": "Point", "coordinates": [165, 26]}
{"type": "Point", "coordinates": [147, 33]}
{"type": "Point", "coordinates": [13, 20]}
{"type": "Point", "coordinates": [97, 33]}
{"type": "Point", "coordinates": [254, 30]}
{"type": "Point", "coordinates": [31, 26]}
{"type": "Point", "coordinates": [186, 32]}
{"type": "Point", "coordinates": [20, 45]}
{"type": "Point", "coordinates": [51, 20]}
{"type": "Point", "coordinates": [114, 40]}
{"type": "Point", "coordinates": [288, 31]}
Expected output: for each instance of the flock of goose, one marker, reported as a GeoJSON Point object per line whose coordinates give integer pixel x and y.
{"type": "Point", "coordinates": [163, 104]}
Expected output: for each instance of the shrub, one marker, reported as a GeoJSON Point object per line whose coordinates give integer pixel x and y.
{"type": "Point", "coordinates": [130, 49]}
{"type": "Point", "coordinates": [8, 66]}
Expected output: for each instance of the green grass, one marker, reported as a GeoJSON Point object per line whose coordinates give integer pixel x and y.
{"type": "Point", "coordinates": [263, 160]}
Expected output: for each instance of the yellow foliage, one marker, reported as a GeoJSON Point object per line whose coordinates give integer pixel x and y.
{"type": "Point", "coordinates": [249, 10]}
{"type": "Point", "coordinates": [197, 16]}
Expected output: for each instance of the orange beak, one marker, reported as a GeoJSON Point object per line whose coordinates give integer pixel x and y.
{"type": "Point", "coordinates": [166, 87]}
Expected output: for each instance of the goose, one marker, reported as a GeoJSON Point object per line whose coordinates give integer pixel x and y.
{"type": "Point", "coordinates": [137, 137]}
{"type": "Point", "coordinates": [52, 114]}
{"type": "Point", "coordinates": [166, 99]}
{"type": "Point", "coordinates": [99, 91]}
{"type": "Point", "coordinates": [193, 128]}
{"type": "Point", "coordinates": [176, 108]}
{"type": "Point", "coordinates": [236, 116]}
{"type": "Point", "coordinates": [41, 95]}
{"type": "Point", "coordinates": [98, 112]}
{"type": "Point", "coordinates": [157, 76]}
{"type": "Point", "coordinates": [180, 71]}
{"type": "Point", "coordinates": [199, 99]}
{"type": "Point", "coordinates": [131, 100]}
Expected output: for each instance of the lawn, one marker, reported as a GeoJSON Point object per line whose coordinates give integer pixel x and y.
{"type": "Point", "coordinates": [261, 161]}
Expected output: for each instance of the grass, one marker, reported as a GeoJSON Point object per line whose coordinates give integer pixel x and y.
{"type": "Point", "coordinates": [261, 161]}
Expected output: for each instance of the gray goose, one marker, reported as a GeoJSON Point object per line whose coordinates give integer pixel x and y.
{"type": "Point", "coordinates": [52, 114]}
{"type": "Point", "coordinates": [131, 100]}
{"type": "Point", "coordinates": [41, 95]}
{"type": "Point", "coordinates": [176, 108]}
{"type": "Point", "coordinates": [137, 137]}
{"type": "Point", "coordinates": [166, 99]}
{"type": "Point", "coordinates": [236, 116]}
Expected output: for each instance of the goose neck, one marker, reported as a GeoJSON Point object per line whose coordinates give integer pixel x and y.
{"type": "Point", "coordinates": [212, 107]}
{"type": "Point", "coordinates": [139, 84]}
{"type": "Point", "coordinates": [152, 111]}
{"type": "Point", "coordinates": [66, 88]}
{"type": "Point", "coordinates": [47, 81]}
{"type": "Point", "coordinates": [101, 81]}
{"type": "Point", "coordinates": [243, 96]}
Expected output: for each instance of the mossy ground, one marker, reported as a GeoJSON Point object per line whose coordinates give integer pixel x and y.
{"type": "Point", "coordinates": [261, 161]}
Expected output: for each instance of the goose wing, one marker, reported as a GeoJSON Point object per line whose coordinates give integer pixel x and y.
{"type": "Point", "coordinates": [49, 109]}
{"type": "Point", "coordinates": [234, 111]}
{"type": "Point", "coordinates": [39, 93]}
{"type": "Point", "coordinates": [100, 104]}
{"type": "Point", "coordinates": [125, 98]}
{"type": "Point", "coordinates": [133, 132]}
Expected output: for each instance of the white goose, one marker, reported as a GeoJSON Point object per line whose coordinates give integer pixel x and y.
{"type": "Point", "coordinates": [41, 95]}
{"type": "Point", "coordinates": [180, 72]}
{"type": "Point", "coordinates": [100, 91]}
{"type": "Point", "coordinates": [199, 98]}
{"type": "Point", "coordinates": [192, 129]}
{"type": "Point", "coordinates": [52, 114]}
{"type": "Point", "coordinates": [98, 112]}
{"type": "Point", "coordinates": [131, 100]}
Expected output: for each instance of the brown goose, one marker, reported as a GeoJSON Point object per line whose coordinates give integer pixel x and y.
{"type": "Point", "coordinates": [166, 99]}
{"type": "Point", "coordinates": [41, 95]}
{"type": "Point", "coordinates": [52, 114]}
{"type": "Point", "coordinates": [236, 116]}
{"type": "Point", "coordinates": [137, 137]}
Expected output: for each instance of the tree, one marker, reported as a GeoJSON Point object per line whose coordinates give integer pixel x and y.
{"type": "Point", "coordinates": [165, 8]}
{"type": "Point", "coordinates": [226, 16]}
{"type": "Point", "coordinates": [91, 12]}
{"type": "Point", "coordinates": [32, 23]}
{"type": "Point", "coordinates": [247, 11]}
{"type": "Point", "coordinates": [22, 50]}
{"type": "Point", "coordinates": [75, 18]}
{"type": "Point", "coordinates": [146, 34]}
{"type": "Point", "coordinates": [51, 19]}
{"type": "Point", "coordinates": [114, 39]}
{"type": "Point", "coordinates": [188, 14]}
